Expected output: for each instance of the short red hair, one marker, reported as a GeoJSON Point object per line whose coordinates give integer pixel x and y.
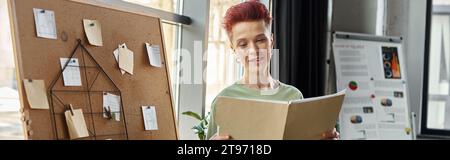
{"type": "Point", "coordinates": [251, 10]}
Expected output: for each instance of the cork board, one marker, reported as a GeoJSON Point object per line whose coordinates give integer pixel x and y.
{"type": "Point", "coordinates": [39, 58]}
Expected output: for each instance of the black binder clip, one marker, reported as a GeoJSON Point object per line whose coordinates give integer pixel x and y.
{"type": "Point", "coordinates": [70, 108]}
{"type": "Point", "coordinates": [107, 112]}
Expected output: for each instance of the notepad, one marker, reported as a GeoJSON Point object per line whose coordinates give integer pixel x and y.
{"type": "Point", "coordinates": [36, 94]}
{"type": "Point", "coordinates": [154, 55]}
{"type": "Point", "coordinates": [250, 119]}
{"type": "Point", "coordinates": [116, 56]}
{"type": "Point", "coordinates": [76, 124]}
{"type": "Point", "coordinates": [71, 74]}
{"type": "Point", "coordinates": [45, 23]}
{"type": "Point", "coordinates": [150, 120]}
{"type": "Point", "coordinates": [93, 30]}
{"type": "Point", "coordinates": [112, 103]}
{"type": "Point", "coordinates": [126, 59]}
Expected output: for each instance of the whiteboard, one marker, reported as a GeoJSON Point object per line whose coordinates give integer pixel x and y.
{"type": "Point", "coordinates": [372, 69]}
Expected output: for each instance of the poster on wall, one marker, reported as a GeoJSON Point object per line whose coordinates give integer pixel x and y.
{"type": "Point", "coordinates": [372, 70]}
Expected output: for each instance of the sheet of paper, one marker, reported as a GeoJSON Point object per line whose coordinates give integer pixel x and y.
{"type": "Point", "coordinates": [112, 102]}
{"type": "Point", "coordinates": [76, 124]}
{"type": "Point", "coordinates": [126, 59]}
{"type": "Point", "coordinates": [93, 30]}
{"type": "Point", "coordinates": [36, 94]}
{"type": "Point", "coordinates": [45, 23]}
{"type": "Point", "coordinates": [116, 56]}
{"type": "Point", "coordinates": [71, 75]}
{"type": "Point", "coordinates": [248, 119]}
{"type": "Point", "coordinates": [150, 120]}
{"type": "Point", "coordinates": [154, 54]}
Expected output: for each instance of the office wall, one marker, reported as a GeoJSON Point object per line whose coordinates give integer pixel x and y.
{"type": "Point", "coordinates": [407, 18]}
{"type": "Point", "coordinates": [359, 16]}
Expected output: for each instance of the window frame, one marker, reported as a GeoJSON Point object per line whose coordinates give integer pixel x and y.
{"type": "Point", "coordinates": [424, 130]}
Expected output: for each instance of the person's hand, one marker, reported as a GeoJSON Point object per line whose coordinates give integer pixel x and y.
{"type": "Point", "coordinates": [330, 135]}
{"type": "Point", "coordinates": [220, 137]}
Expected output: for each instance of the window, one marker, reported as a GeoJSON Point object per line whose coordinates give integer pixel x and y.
{"type": "Point", "coordinates": [10, 124]}
{"type": "Point", "coordinates": [436, 102]}
{"type": "Point", "coordinates": [165, 5]}
{"type": "Point", "coordinates": [222, 69]}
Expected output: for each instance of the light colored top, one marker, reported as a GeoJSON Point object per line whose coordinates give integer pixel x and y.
{"type": "Point", "coordinates": [283, 92]}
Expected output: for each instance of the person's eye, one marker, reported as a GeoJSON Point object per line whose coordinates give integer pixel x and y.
{"type": "Point", "coordinates": [242, 45]}
{"type": "Point", "coordinates": [261, 40]}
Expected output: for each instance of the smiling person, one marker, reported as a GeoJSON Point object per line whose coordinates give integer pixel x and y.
{"type": "Point", "coordinates": [248, 25]}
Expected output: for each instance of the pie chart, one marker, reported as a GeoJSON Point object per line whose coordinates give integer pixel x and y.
{"type": "Point", "coordinates": [353, 85]}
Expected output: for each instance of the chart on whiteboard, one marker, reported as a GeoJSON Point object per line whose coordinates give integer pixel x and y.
{"type": "Point", "coordinates": [376, 104]}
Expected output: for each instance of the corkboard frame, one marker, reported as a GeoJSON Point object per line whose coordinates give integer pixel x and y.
{"type": "Point", "coordinates": [38, 58]}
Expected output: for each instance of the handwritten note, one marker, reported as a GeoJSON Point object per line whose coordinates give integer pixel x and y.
{"type": "Point", "coordinates": [154, 55]}
{"type": "Point", "coordinates": [111, 103]}
{"type": "Point", "coordinates": [150, 120]}
{"type": "Point", "coordinates": [71, 74]}
{"type": "Point", "coordinates": [45, 23]}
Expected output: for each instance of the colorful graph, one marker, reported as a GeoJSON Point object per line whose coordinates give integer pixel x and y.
{"type": "Point", "coordinates": [353, 85]}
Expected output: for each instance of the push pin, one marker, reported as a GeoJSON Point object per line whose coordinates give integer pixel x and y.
{"type": "Point", "coordinates": [92, 24]}
{"type": "Point", "coordinates": [43, 11]}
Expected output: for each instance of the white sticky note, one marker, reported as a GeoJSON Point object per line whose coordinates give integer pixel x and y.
{"type": "Point", "coordinates": [112, 102]}
{"type": "Point", "coordinates": [116, 56]}
{"type": "Point", "coordinates": [36, 94]}
{"type": "Point", "coordinates": [126, 59]}
{"type": "Point", "coordinates": [150, 120]}
{"type": "Point", "coordinates": [45, 23]}
{"type": "Point", "coordinates": [154, 55]}
{"type": "Point", "coordinates": [71, 74]}
{"type": "Point", "coordinates": [93, 30]}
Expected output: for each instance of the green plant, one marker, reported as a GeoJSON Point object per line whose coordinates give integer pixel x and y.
{"type": "Point", "coordinates": [202, 126]}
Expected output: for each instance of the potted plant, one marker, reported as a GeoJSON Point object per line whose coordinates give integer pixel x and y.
{"type": "Point", "coordinates": [202, 126]}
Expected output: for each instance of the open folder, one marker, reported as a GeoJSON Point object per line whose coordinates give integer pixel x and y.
{"type": "Point", "coordinates": [304, 119]}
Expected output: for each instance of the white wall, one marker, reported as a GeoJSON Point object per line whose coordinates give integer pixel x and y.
{"type": "Point", "coordinates": [407, 18]}
{"type": "Point", "coordinates": [358, 16]}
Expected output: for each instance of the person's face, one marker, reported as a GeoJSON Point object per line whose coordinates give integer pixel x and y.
{"type": "Point", "coordinates": [252, 44]}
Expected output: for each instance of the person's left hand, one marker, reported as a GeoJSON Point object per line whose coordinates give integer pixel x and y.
{"type": "Point", "coordinates": [330, 135]}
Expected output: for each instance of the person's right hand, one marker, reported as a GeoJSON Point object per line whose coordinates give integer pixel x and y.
{"type": "Point", "coordinates": [220, 137]}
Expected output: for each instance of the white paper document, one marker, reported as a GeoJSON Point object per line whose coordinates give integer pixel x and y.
{"type": "Point", "coordinates": [45, 23]}
{"type": "Point", "coordinates": [71, 74]}
{"type": "Point", "coordinates": [116, 56]}
{"type": "Point", "coordinates": [154, 55]}
{"type": "Point", "coordinates": [111, 103]}
{"type": "Point", "coordinates": [150, 120]}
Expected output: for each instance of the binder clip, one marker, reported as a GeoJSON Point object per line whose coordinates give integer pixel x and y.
{"type": "Point", "coordinates": [107, 112]}
{"type": "Point", "coordinates": [70, 108]}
